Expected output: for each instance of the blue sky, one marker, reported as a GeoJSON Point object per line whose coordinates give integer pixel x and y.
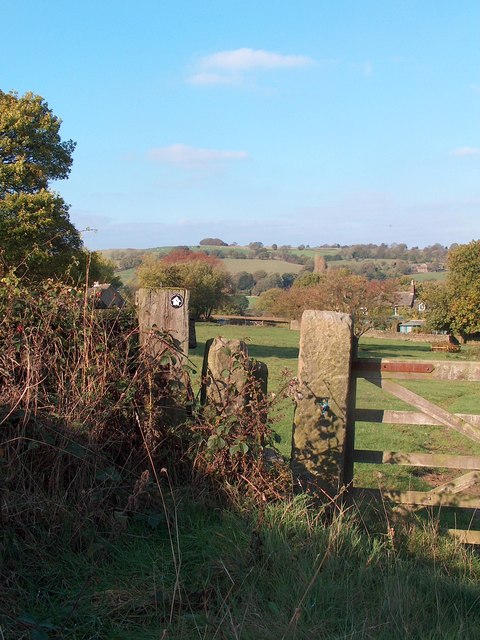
{"type": "Point", "coordinates": [306, 122]}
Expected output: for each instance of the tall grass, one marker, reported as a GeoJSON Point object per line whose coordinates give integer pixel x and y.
{"type": "Point", "coordinates": [289, 571]}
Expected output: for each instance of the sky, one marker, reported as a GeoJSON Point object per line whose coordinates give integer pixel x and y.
{"type": "Point", "coordinates": [308, 122]}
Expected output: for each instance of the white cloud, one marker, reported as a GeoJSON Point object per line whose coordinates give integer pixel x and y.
{"type": "Point", "coordinates": [242, 59]}
{"type": "Point", "coordinates": [228, 67]}
{"type": "Point", "coordinates": [192, 158]}
{"type": "Point", "coordinates": [466, 151]}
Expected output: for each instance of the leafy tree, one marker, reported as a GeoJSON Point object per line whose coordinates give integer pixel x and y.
{"type": "Point", "coordinates": [37, 239]}
{"type": "Point", "coordinates": [207, 283]}
{"type": "Point", "coordinates": [99, 268]}
{"type": "Point", "coordinates": [455, 305]}
{"type": "Point", "coordinates": [36, 234]}
{"type": "Point", "coordinates": [307, 279]}
{"type": "Point", "coordinates": [243, 281]}
{"type": "Point", "coordinates": [234, 305]}
{"type": "Point", "coordinates": [339, 290]}
{"type": "Point", "coordinates": [258, 275]}
{"type": "Point", "coordinates": [288, 279]}
{"type": "Point", "coordinates": [270, 281]}
{"type": "Point", "coordinates": [273, 301]}
{"type": "Point", "coordinates": [31, 151]}
{"type": "Point", "coordinates": [436, 297]}
{"type": "Point", "coordinates": [213, 242]}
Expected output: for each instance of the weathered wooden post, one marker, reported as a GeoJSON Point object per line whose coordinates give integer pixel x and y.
{"type": "Point", "coordinates": [319, 430]}
{"type": "Point", "coordinates": [164, 310]}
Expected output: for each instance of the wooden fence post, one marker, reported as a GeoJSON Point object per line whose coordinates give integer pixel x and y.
{"type": "Point", "coordinates": [163, 310]}
{"type": "Point", "coordinates": [319, 430]}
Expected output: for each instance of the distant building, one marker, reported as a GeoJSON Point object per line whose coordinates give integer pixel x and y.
{"type": "Point", "coordinates": [411, 325]}
{"type": "Point", "coordinates": [419, 268]}
{"type": "Point", "coordinates": [105, 296]}
{"type": "Point", "coordinates": [407, 299]}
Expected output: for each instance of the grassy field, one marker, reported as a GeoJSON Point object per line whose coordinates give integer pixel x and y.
{"type": "Point", "coordinates": [433, 275]}
{"type": "Point", "coordinates": [233, 265]}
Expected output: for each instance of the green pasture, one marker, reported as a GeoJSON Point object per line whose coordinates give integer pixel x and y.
{"type": "Point", "coordinates": [127, 276]}
{"type": "Point", "coordinates": [278, 348]}
{"type": "Point", "coordinates": [234, 265]}
{"type": "Point", "coordinates": [432, 275]}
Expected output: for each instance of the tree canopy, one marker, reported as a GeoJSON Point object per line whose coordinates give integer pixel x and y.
{"type": "Point", "coordinates": [213, 242]}
{"type": "Point", "coordinates": [370, 302]}
{"type": "Point", "coordinates": [455, 305]}
{"type": "Point", "coordinates": [207, 282]}
{"type": "Point", "coordinates": [31, 150]}
{"type": "Point", "coordinates": [37, 238]}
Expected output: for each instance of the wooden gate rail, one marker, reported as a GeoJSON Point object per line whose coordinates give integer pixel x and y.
{"type": "Point", "coordinates": [380, 373]}
{"type": "Point", "coordinates": [417, 370]}
{"type": "Point", "coordinates": [417, 459]}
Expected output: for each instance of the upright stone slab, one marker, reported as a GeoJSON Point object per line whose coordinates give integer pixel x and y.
{"type": "Point", "coordinates": [226, 373]}
{"type": "Point", "coordinates": [319, 264]}
{"type": "Point", "coordinates": [318, 446]}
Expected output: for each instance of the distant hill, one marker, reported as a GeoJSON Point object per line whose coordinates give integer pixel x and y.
{"type": "Point", "coordinates": [285, 259]}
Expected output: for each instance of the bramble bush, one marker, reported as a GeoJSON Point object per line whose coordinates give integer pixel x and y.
{"type": "Point", "coordinates": [84, 411]}
{"type": "Point", "coordinates": [80, 403]}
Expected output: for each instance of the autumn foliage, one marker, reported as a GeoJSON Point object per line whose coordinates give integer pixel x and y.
{"type": "Point", "coordinates": [184, 254]}
{"type": "Point", "coordinates": [369, 301]}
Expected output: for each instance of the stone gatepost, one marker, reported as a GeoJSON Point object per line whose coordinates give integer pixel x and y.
{"type": "Point", "coordinates": [227, 375]}
{"type": "Point", "coordinates": [319, 430]}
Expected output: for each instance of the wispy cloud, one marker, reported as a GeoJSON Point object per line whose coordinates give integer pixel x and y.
{"type": "Point", "coordinates": [230, 67]}
{"type": "Point", "coordinates": [194, 158]}
{"type": "Point", "coordinates": [475, 88]}
{"type": "Point", "coordinates": [461, 152]}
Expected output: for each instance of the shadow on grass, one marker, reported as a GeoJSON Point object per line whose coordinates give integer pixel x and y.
{"type": "Point", "coordinates": [257, 351]}
{"type": "Point", "coordinates": [393, 350]}
{"type": "Point", "coordinates": [263, 351]}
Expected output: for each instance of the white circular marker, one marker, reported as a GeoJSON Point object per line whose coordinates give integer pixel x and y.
{"type": "Point", "coordinates": [177, 301]}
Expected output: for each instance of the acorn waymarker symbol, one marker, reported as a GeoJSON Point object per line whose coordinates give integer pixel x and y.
{"type": "Point", "coordinates": [177, 301]}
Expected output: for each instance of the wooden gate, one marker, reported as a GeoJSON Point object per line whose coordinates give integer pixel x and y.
{"type": "Point", "coordinates": [387, 375]}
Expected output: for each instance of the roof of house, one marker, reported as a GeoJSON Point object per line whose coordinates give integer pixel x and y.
{"type": "Point", "coordinates": [413, 323]}
{"type": "Point", "coordinates": [404, 298]}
